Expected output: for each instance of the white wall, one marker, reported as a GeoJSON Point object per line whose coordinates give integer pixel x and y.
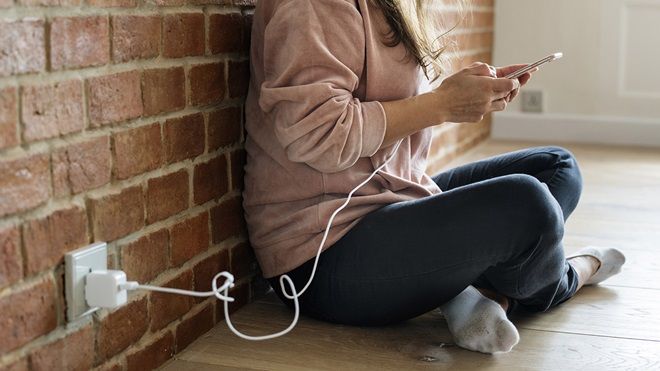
{"type": "Point", "coordinates": [611, 68]}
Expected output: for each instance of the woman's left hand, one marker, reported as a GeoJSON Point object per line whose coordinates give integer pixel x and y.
{"type": "Point", "coordinates": [504, 71]}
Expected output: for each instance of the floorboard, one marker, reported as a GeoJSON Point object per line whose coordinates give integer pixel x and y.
{"type": "Point", "coordinates": [615, 326]}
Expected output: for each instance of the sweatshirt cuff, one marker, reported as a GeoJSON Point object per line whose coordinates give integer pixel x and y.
{"type": "Point", "coordinates": [374, 126]}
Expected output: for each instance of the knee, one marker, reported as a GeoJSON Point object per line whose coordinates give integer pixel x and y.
{"type": "Point", "coordinates": [571, 168]}
{"type": "Point", "coordinates": [537, 210]}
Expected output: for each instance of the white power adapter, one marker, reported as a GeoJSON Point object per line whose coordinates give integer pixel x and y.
{"type": "Point", "coordinates": [104, 289]}
{"type": "Point", "coordinates": [108, 288]}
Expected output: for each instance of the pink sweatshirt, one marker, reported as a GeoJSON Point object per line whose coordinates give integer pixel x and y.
{"type": "Point", "coordinates": [315, 126]}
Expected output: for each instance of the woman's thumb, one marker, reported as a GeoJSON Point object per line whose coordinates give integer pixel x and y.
{"type": "Point", "coordinates": [481, 69]}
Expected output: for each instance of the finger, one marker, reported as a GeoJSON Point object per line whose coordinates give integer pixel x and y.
{"type": "Point", "coordinates": [479, 69]}
{"type": "Point", "coordinates": [493, 71]}
{"type": "Point", "coordinates": [506, 70]}
{"type": "Point", "coordinates": [513, 95]}
{"type": "Point", "coordinates": [474, 64]}
{"type": "Point", "coordinates": [523, 79]}
{"type": "Point", "coordinates": [504, 86]}
{"type": "Point", "coordinates": [498, 105]}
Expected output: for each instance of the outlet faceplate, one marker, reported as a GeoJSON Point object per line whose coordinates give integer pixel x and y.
{"type": "Point", "coordinates": [77, 266]}
{"type": "Point", "coordinates": [532, 101]}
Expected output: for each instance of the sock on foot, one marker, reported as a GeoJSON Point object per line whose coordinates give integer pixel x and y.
{"type": "Point", "coordinates": [610, 259]}
{"type": "Point", "coordinates": [479, 323]}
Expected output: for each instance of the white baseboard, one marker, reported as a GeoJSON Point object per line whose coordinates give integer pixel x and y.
{"type": "Point", "coordinates": [577, 129]}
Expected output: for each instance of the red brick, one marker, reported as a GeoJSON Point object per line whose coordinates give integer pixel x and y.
{"type": "Point", "coordinates": [163, 90]}
{"type": "Point", "coordinates": [243, 261]}
{"type": "Point", "coordinates": [113, 3]}
{"type": "Point", "coordinates": [153, 355]}
{"type": "Point", "coordinates": [79, 42]}
{"type": "Point", "coordinates": [49, 2]}
{"type": "Point", "coordinates": [52, 110]}
{"type": "Point", "coordinates": [169, 2]}
{"type": "Point", "coordinates": [122, 328]}
{"type": "Point", "coordinates": [146, 258]}
{"type": "Point", "coordinates": [75, 352]}
{"type": "Point", "coordinates": [81, 166]}
{"type": "Point", "coordinates": [135, 37]}
{"type": "Point", "coordinates": [227, 220]}
{"type": "Point", "coordinates": [239, 78]}
{"type": "Point", "coordinates": [27, 314]}
{"type": "Point", "coordinates": [24, 183]}
{"type": "Point", "coordinates": [167, 195]}
{"type": "Point", "coordinates": [184, 137]}
{"type": "Point", "coordinates": [247, 31]}
{"type": "Point", "coordinates": [192, 328]}
{"type": "Point", "coordinates": [137, 151]}
{"type": "Point", "coordinates": [224, 127]}
{"type": "Point", "coordinates": [225, 33]}
{"type": "Point", "coordinates": [48, 239]}
{"type": "Point", "coordinates": [117, 215]}
{"type": "Point", "coordinates": [189, 238]}
{"type": "Point", "coordinates": [165, 307]}
{"type": "Point", "coordinates": [22, 46]}
{"type": "Point", "coordinates": [246, 3]}
{"type": "Point", "coordinates": [183, 35]}
{"type": "Point", "coordinates": [210, 180]}
{"type": "Point", "coordinates": [8, 118]}
{"type": "Point", "coordinates": [238, 159]}
{"type": "Point", "coordinates": [207, 83]}
{"type": "Point", "coordinates": [205, 270]}
{"type": "Point", "coordinates": [114, 98]}
{"type": "Point", "coordinates": [209, 2]}
{"type": "Point", "coordinates": [21, 364]}
{"type": "Point", "coordinates": [11, 263]}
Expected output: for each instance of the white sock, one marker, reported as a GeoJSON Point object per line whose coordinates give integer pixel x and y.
{"type": "Point", "coordinates": [610, 259]}
{"type": "Point", "coordinates": [479, 323]}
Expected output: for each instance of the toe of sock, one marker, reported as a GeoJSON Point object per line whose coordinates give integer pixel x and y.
{"type": "Point", "coordinates": [507, 337]}
{"type": "Point", "coordinates": [611, 262]}
{"type": "Point", "coordinates": [490, 331]}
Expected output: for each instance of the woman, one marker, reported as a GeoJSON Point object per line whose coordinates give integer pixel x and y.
{"type": "Point", "coordinates": [334, 94]}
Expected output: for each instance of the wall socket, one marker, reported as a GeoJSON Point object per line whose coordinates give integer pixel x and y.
{"type": "Point", "coordinates": [532, 101]}
{"type": "Point", "coordinates": [77, 265]}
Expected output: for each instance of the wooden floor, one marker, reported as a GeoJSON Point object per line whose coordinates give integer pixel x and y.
{"type": "Point", "coordinates": [615, 326]}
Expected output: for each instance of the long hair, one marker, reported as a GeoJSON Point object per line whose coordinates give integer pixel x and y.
{"type": "Point", "coordinates": [419, 26]}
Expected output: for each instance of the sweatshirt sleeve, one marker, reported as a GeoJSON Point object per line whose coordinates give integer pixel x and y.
{"type": "Point", "coordinates": [314, 54]}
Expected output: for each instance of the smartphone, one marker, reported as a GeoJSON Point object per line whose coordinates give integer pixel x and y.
{"type": "Point", "coordinates": [529, 67]}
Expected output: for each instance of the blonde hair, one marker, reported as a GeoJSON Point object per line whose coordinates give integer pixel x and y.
{"type": "Point", "coordinates": [424, 38]}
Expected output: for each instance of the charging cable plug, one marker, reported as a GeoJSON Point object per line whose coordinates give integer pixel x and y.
{"type": "Point", "coordinates": [221, 292]}
{"type": "Point", "coordinates": [108, 289]}
{"type": "Point", "coordinates": [104, 289]}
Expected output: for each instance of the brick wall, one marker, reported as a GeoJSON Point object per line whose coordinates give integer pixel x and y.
{"type": "Point", "coordinates": [120, 121]}
{"type": "Point", "coordinates": [474, 42]}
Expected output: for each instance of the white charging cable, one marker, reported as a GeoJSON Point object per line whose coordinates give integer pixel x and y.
{"type": "Point", "coordinates": [222, 292]}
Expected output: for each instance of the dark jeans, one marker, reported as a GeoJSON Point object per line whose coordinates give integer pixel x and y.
{"type": "Point", "coordinates": [498, 224]}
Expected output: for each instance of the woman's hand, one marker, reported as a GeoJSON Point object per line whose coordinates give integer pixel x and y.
{"type": "Point", "coordinates": [466, 96]}
{"type": "Point", "coordinates": [471, 93]}
{"type": "Point", "coordinates": [523, 79]}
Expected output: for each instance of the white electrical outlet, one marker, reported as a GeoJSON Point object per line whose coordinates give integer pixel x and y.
{"type": "Point", "coordinates": [532, 101]}
{"type": "Point", "coordinates": [78, 264]}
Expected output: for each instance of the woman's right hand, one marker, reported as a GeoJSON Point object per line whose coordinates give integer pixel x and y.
{"type": "Point", "coordinates": [471, 93]}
